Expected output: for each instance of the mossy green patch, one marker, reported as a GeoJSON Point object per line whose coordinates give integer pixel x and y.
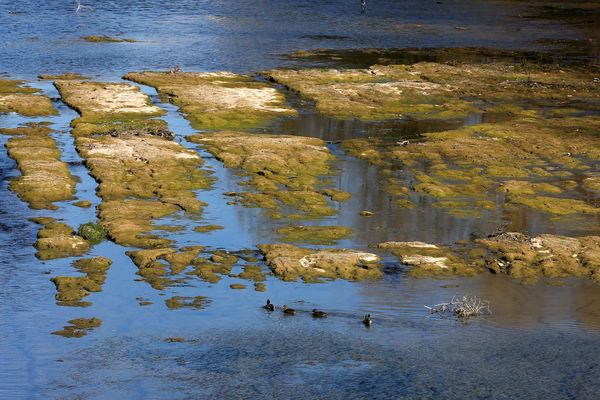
{"type": "Point", "coordinates": [325, 235]}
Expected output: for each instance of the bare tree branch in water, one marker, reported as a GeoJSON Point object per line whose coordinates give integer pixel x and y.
{"type": "Point", "coordinates": [462, 308]}
{"type": "Point", "coordinates": [81, 7]}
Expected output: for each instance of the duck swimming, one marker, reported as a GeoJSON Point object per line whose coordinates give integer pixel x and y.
{"type": "Point", "coordinates": [318, 313]}
{"type": "Point", "coordinates": [269, 306]}
{"type": "Point", "coordinates": [367, 320]}
{"type": "Point", "coordinates": [287, 310]}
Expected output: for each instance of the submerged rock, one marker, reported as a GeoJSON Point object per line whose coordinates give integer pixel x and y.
{"type": "Point", "coordinates": [314, 234]}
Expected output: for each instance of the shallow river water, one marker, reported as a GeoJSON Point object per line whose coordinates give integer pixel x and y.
{"type": "Point", "coordinates": [540, 342]}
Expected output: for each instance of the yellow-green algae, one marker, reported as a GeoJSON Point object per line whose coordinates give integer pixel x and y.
{"type": "Point", "coordinates": [237, 286]}
{"type": "Point", "coordinates": [467, 166]}
{"type": "Point", "coordinates": [380, 92]}
{"type": "Point", "coordinates": [529, 160]}
{"type": "Point", "coordinates": [208, 228]}
{"type": "Point", "coordinates": [79, 327]}
{"type": "Point", "coordinates": [196, 302]}
{"type": "Point", "coordinates": [290, 263]}
{"type": "Point", "coordinates": [44, 177]}
{"type": "Point", "coordinates": [157, 266]}
{"type": "Point", "coordinates": [436, 90]}
{"type": "Point", "coordinates": [325, 235]}
{"type": "Point", "coordinates": [429, 260]}
{"type": "Point", "coordinates": [72, 289]}
{"type": "Point", "coordinates": [141, 177]}
{"type": "Point", "coordinates": [525, 259]}
{"type": "Point", "coordinates": [220, 100]}
{"type": "Point", "coordinates": [284, 170]}
{"type": "Point", "coordinates": [58, 240]}
{"type": "Point", "coordinates": [23, 100]}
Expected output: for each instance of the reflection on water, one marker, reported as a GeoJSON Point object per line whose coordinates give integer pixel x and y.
{"type": "Point", "coordinates": [41, 37]}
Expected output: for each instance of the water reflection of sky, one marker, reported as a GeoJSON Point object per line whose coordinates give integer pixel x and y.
{"type": "Point", "coordinates": [41, 37]}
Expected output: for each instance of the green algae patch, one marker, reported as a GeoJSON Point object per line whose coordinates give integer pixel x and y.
{"type": "Point", "coordinates": [325, 235]}
{"type": "Point", "coordinates": [377, 93]}
{"type": "Point", "coordinates": [72, 289]}
{"type": "Point", "coordinates": [14, 97]}
{"type": "Point", "coordinates": [106, 39]}
{"type": "Point", "coordinates": [92, 232]}
{"type": "Point", "coordinates": [58, 240]}
{"type": "Point", "coordinates": [283, 170]}
{"type": "Point", "coordinates": [44, 178]}
{"type": "Point", "coordinates": [220, 100]}
{"type": "Point", "coordinates": [79, 327]}
{"type": "Point", "coordinates": [142, 176]}
{"type": "Point", "coordinates": [196, 302]}
{"type": "Point", "coordinates": [291, 263]}
{"type": "Point", "coordinates": [67, 76]}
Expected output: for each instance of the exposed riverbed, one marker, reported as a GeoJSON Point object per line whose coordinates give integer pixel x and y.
{"type": "Point", "coordinates": [195, 338]}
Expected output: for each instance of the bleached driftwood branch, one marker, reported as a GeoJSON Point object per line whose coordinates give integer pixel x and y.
{"type": "Point", "coordinates": [462, 308]}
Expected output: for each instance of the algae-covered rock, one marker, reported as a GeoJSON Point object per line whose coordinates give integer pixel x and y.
{"type": "Point", "coordinates": [221, 100]}
{"type": "Point", "coordinates": [314, 234]}
{"type": "Point", "coordinates": [108, 108]}
{"type": "Point", "coordinates": [290, 263]}
{"type": "Point", "coordinates": [252, 273]}
{"type": "Point", "coordinates": [207, 228]}
{"type": "Point", "coordinates": [44, 178]}
{"type": "Point", "coordinates": [284, 170]}
{"type": "Point", "coordinates": [525, 259]}
{"type": "Point", "coordinates": [430, 260]}
{"type": "Point", "coordinates": [58, 240]}
{"type": "Point", "coordinates": [142, 176]}
{"type": "Point", "coordinates": [79, 327]}
{"type": "Point", "coordinates": [14, 97]}
{"type": "Point", "coordinates": [237, 286]}
{"type": "Point", "coordinates": [197, 302]}
{"type": "Point", "coordinates": [71, 290]}
{"type": "Point", "coordinates": [83, 204]}
{"type": "Point", "coordinates": [381, 92]}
